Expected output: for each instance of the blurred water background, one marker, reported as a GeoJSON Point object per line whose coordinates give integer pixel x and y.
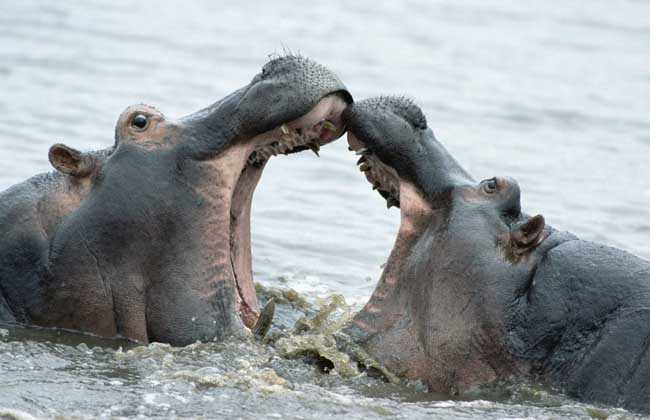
{"type": "Point", "coordinates": [555, 94]}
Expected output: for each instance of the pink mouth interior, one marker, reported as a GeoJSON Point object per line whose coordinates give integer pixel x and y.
{"type": "Point", "coordinates": [318, 127]}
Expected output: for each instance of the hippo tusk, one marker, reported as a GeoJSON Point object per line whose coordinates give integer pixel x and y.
{"type": "Point", "coordinates": [263, 324]}
{"type": "Point", "coordinates": [314, 147]}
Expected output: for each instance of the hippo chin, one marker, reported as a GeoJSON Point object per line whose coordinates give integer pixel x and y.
{"type": "Point", "coordinates": [150, 239]}
{"type": "Point", "coordinates": [475, 291]}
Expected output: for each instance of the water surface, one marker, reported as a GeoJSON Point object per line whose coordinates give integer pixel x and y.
{"type": "Point", "coordinates": [554, 94]}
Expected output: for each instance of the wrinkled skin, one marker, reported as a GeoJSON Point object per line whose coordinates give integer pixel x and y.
{"type": "Point", "coordinates": [152, 240]}
{"type": "Point", "coordinates": [475, 291]}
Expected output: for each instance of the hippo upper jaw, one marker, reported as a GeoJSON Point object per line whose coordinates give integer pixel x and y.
{"type": "Point", "coordinates": [395, 143]}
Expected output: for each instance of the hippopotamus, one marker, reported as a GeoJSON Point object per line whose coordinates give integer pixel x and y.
{"type": "Point", "coordinates": [477, 292]}
{"type": "Point", "coordinates": [150, 239]}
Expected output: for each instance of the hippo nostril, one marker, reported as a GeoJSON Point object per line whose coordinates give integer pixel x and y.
{"type": "Point", "coordinates": [139, 122]}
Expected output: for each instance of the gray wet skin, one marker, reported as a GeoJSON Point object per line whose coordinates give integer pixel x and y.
{"type": "Point", "coordinates": [475, 291]}
{"type": "Point", "coordinates": [150, 239]}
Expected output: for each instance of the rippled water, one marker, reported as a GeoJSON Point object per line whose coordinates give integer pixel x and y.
{"type": "Point", "coordinates": [555, 94]}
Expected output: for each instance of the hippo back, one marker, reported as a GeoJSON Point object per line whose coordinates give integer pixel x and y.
{"type": "Point", "coordinates": [30, 214]}
{"type": "Point", "coordinates": [586, 327]}
{"type": "Point", "coordinates": [23, 244]}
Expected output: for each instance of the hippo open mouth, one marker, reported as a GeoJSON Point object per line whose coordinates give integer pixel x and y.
{"type": "Point", "coordinates": [292, 105]}
{"type": "Point", "coordinates": [385, 132]}
{"type": "Point", "coordinates": [401, 159]}
{"type": "Point", "coordinates": [311, 131]}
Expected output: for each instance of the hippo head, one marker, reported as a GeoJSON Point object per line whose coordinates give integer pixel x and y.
{"type": "Point", "coordinates": [463, 253]}
{"type": "Point", "coordinates": [160, 247]}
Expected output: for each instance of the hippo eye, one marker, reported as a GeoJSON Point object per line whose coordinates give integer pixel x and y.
{"type": "Point", "coordinates": [490, 185]}
{"type": "Point", "coordinates": [139, 122]}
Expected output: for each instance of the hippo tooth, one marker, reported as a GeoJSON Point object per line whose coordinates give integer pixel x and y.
{"type": "Point", "coordinates": [364, 167]}
{"type": "Point", "coordinates": [265, 320]}
{"type": "Point", "coordinates": [287, 146]}
{"type": "Point", "coordinates": [328, 125]}
{"type": "Point", "coordinates": [315, 147]}
{"type": "Point", "coordinates": [361, 160]}
{"type": "Point", "coordinates": [291, 141]}
{"type": "Point", "coordinates": [362, 151]}
{"type": "Point", "coordinates": [284, 129]}
{"type": "Point", "coordinates": [286, 138]}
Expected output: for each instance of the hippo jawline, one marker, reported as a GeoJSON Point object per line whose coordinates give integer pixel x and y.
{"type": "Point", "coordinates": [316, 128]}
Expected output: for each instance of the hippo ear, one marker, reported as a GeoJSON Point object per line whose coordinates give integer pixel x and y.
{"type": "Point", "coordinates": [527, 235]}
{"type": "Point", "coordinates": [69, 161]}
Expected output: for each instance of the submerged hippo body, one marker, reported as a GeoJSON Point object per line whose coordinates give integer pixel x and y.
{"type": "Point", "coordinates": [475, 291]}
{"type": "Point", "coordinates": [157, 248]}
{"type": "Point", "coordinates": [30, 213]}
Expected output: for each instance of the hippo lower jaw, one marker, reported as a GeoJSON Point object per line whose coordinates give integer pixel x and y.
{"type": "Point", "coordinates": [248, 158]}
